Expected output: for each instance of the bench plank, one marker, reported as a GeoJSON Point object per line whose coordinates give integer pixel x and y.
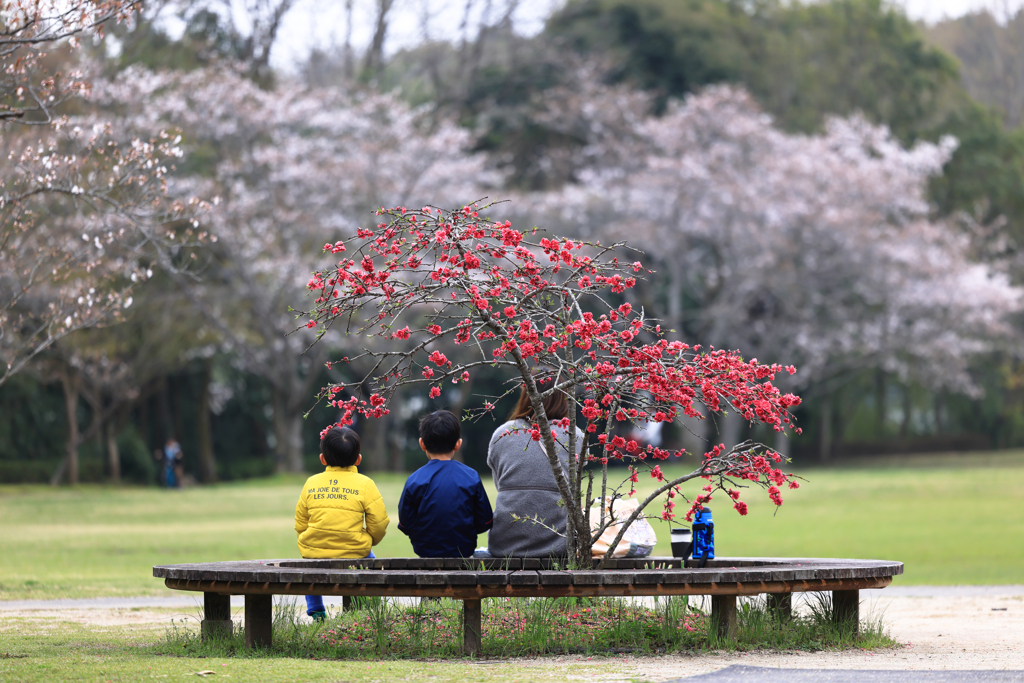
{"type": "Point", "coordinates": [555, 578]}
{"type": "Point", "coordinates": [524, 578]}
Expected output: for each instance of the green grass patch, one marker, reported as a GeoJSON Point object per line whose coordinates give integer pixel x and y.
{"type": "Point", "coordinates": [948, 520]}
{"type": "Point", "coordinates": [37, 649]}
{"type": "Point", "coordinates": [524, 627]}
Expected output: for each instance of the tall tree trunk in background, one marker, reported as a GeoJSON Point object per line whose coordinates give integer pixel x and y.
{"type": "Point", "coordinates": [782, 443]}
{"type": "Point", "coordinates": [113, 453]}
{"type": "Point", "coordinates": [465, 391]}
{"type": "Point", "coordinates": [288, 433]}
{"type": "Point", "coordinates": [349, 58]}
{"type": "Point", "coordinates": [174, 401]}
{"type": "Point", "coordinates": [204, 431]}
{"type": "Point", "coordinates": [71, 382]}
{"type": "Point", "coordinates": [396, 455]}
{"type": "Point", "coordinates": [695, 433]}
{"type": "Point", "coordinates": [881, 403]}
{"type": "Point", "coordinates": [730, 426]}
{"type": "Point", "coordinates": [675, 303]}
{"type": "Point", "coordinates": [373, 65]}
{"type": "Point", "coordinates": [395, 445]}
{"type": "Point", "coordinates": [908, 407]}
{"type": "Point", "coordinates": [825, 437]}
{"type": "Point", "coordinates": [478, 44]}
{"type": "Point", "coordinates": [143, 419]}
{"type": "Point", "coordinates": [373, 439]}
{"type": "Point", "coordinates": [163, 406]}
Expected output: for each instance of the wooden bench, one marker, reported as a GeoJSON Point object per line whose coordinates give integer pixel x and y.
{"type": "Point", "coordinates": [473, 580]}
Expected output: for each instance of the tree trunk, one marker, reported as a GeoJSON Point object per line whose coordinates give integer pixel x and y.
{"type": "Point", "coordinates": [163, 406]}
{"type": "Point", "coordinates": [174, 399]}
{"type": "Point", "coordinates": [71, 382]}
{"type": "Point", "coordinates": [782, 444]}
{"type": "Point", "coordinates": [288, 433]}
{"type": "Point", "coordinates": [396, 454]}
{"type": "Point", "coordinates": [204, 431]}
{"type": "Point", "coordinates": [113, 454]}
{"type": "Point", "coordinates": [374, 63]}
{"type": "Point", "coordinates": [349, 60]}
{"type": "Point", "coordinates": [730, 426]}
{"type": "Point", "coordinates": [143, 419]}
{"type": "Point", "coordinates": [881, 405]}
{"type": "Point", "coordinates": [907, 409]}
{"type": "Point", "coordinates": [675, 303]}
{"type": "Point", "coordinates": [825, 437]}
{"type": "Point", "coordinates": [465, 391]}
{"type": "Point", "coordinates": [695, 432]}
{"type": "Point", "coordinates": [373, 437]}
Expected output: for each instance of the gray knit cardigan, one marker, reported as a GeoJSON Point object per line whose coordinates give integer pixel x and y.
{"type": "Point", "coordinates": [526, 487]}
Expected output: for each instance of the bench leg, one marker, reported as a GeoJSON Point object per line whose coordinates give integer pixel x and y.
{"type": "Point", "coordinates": [216, 615]}
{"type": "Point", "coordinates": [846, 608]}
{"type": "Point", "coordinates": [259, 621]}
{"type": "Point", "coordinates": [723, 616]}
{"type": "Point", "coordinates": [471, 626]}
{"type": "Point", "coordinates": [346, 603]}
{"type": "Point", "coordinates": [780, 605]}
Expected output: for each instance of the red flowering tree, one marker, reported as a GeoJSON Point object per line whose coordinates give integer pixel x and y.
{"type": "Point", "coordinates": [542, 305]}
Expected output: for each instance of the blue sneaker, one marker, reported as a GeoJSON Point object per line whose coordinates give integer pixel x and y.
{"type": "Point", "coordinates": [319, 616]}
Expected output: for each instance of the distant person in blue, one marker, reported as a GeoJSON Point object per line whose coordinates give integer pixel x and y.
{"type": "Point", "coordinates": [172, 463]}
{"type": "Point", "coordinates": [443, 505]}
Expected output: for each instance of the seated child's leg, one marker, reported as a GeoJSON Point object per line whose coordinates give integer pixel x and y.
{"type": "Point", "coordinates": [314, 604]}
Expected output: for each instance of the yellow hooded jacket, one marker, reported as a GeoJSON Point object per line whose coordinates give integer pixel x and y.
{"type": "Point", "coordinates": [330, 514]}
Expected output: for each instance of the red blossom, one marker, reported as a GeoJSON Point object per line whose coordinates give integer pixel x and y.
{"type": "Point", "coordinates": [493, 291]}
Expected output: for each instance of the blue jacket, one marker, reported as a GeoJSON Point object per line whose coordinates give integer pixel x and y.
{"type": "Point", "coordinates": [442, 509]}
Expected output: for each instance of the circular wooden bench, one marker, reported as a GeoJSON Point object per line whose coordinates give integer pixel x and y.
{"type": "Point", "coordinates": [472, 580]}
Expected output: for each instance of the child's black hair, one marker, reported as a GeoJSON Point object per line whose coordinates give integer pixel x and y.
{"type": "Point", "coordinates": [340, 446]}
{"type": "Point", "coordinates": [440, 432]}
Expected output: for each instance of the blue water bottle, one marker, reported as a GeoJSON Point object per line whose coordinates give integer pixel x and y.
{"type": "Point", "coordinates": [703, 536]}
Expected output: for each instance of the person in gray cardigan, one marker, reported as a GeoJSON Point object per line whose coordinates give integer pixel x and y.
{"type": "Point", "coordinates": [526, 485]}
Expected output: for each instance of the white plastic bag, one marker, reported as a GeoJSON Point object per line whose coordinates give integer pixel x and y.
{"type": "Point", "coordinates": [639, 539]}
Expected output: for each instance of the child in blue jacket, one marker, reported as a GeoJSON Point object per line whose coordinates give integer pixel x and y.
{"type": "Point", "coordinates": [443, 505]}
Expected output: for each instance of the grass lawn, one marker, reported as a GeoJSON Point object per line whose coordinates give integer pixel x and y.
{"type": "Point", "coordinates": [384, 641]}
{"type": "Point", "coordinates": [951, 523]}
{"type": "Point", "coordinates": [34, 649]}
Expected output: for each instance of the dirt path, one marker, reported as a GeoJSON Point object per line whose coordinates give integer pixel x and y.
{"type": "Point", "coordinates": [939, 628]}
{"type": "Point", "coordinates": [944, 631]}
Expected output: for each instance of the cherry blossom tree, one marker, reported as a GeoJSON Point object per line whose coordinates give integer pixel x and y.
{"type": "Point", "coordinates": [820, 250]}
{"type": "Point", "coordinates": [287, 167]}
{"type": "Point", "coordinates": [82, 195]}
{"type": "Point", "coordinates": [545, 305]}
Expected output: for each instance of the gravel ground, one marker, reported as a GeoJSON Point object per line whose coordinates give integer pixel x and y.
{"type": "Point", "coordinates": [977, 628]}
{"type": "Point", "coordinates": [970, 628]}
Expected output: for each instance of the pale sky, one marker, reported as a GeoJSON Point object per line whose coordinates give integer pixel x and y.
{"type": "Point", "coordinates": [936, 10]}
{"type": "Point", "coordinates": [321, 23]}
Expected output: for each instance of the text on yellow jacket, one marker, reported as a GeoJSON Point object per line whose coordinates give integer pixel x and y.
{"type": "Point", "coordinates": [340, 513]}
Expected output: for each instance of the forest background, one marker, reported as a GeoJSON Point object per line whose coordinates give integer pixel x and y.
{"type": "Point", "coordinates": [828, 185]}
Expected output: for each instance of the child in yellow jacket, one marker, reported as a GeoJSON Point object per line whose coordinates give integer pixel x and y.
{"type": "Point", "coordinates": [340, 513]}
